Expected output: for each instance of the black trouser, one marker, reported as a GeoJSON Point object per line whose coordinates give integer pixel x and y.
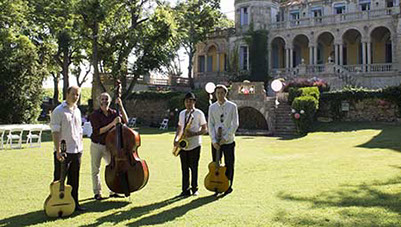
{"type": "Point", "coordinates": [227, 150]}
{"type": "Point", "coordinates": [73, 165]}
{"type": "Point", "coordinates": [190, 160]}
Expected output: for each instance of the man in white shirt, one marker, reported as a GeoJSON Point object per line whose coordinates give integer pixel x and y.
{"type": "Point", "coordinates": [65, 124]}
{"type": "Point", "coordinates": [189, 156]}
{"type": "Point", "coordinates": [223, 114]}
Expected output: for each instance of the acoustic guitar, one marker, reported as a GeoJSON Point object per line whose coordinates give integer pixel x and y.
{"type": "Point", "coordinates": [216, 180]}
{"type": "Point", "coordinates": [60, 202]}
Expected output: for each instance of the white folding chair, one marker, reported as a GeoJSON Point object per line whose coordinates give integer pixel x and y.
{"type": "Point", "coordinates": [132, 122]}
{"type": "Point", "coordinates": [164, 124]}
{"type": "Point", "coordinates": [87, 129]}
{"type": "Point", "coordinates": [34, 134]}
{"type": "Point", "coordinates": [2, 132]}
{"type": "Point", "coordinates": [15, 135]}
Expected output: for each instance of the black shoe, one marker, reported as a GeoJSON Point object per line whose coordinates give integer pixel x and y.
{"type": "Point", "coordinates": [228, 191]}
{"type": "Point", "coordinates": [98, 197]}
{"type": "Point", "coordinates": [79, 208]}
{"type": "Point", "coordinates": [195, 193]}
{"type": "Point", "coordinates": [115, 195]}
{"type": "Point", "coordinates": [185, 193]}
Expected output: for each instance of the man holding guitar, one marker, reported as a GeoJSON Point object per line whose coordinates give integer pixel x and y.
{"type": "Point", "coordinates": [223, 114]}
{"type": "Point", "coordinates": [192, 124]}
{"type": "Point", "coordinates": [103, 120]}
{"type": "Point", "coordinates": [65, 125]}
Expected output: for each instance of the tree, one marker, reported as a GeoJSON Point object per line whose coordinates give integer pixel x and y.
{"type": "Point", "coordinates": [21, 78]}
{"type": "Point", "coordinates": [196, 19]}
{"type": "Point", "coordinates": [58, 25]}
{"type": "Point", "coordinates": [121, 29]}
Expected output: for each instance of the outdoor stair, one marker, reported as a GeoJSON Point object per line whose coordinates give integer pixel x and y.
{"type": "Point", "coordinates": [284, 124]}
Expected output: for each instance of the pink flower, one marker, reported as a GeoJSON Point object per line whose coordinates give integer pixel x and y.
{"type": "Point", "coordinates": [297, 116]}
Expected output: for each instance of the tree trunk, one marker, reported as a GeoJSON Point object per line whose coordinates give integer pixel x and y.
{"type": "Point", "coordinates": [191, 80]}
{"type": "Point", "coordinates": [66, 82]}
{"type": "Point", "coordinates": [96, 77]}
{"type": "Point", "coordinates": [55, 89]}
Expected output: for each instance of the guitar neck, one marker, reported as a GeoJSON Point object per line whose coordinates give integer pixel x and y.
{"type": "Point", "coordinates": [219, 135]}
{"type": "Point", "coordinates": [63, 148]}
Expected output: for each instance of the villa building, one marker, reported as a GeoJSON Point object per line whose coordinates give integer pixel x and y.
{"type": "Point", "coordinates": [345, 42]}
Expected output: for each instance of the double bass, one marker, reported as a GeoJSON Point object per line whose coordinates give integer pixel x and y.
{"type": "Point", "coordinates": [126, 172]}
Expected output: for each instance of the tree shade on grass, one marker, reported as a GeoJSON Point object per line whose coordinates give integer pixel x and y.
{"type": "Point", "coordinates": [340, 175]}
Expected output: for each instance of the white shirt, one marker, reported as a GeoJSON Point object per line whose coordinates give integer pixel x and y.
{"type": "Point", "coordinates": [197, 122]}
{"type": "Point", "coordinates": [68, 122]}
{"type": "Point", "coordinates": [226, 117]}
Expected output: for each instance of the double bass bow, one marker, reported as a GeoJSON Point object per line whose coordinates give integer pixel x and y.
{"type": "Point", "coordinates": [126, 172]}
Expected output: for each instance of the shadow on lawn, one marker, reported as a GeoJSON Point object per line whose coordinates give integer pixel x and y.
{"type": "Point", "coordinates": [38, 217]}
{"type": "Point", "coordinates": [158, 218]}
{"type": "Point", "coordinates": [347, 204]}
{"type": "Point", "coordinates": [388, 138]}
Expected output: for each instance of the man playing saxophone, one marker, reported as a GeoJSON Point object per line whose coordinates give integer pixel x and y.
{"type": "Point", "coordinates": [191, 125]}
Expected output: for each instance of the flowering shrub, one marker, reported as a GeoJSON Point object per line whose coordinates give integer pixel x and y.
{"type": "Point", "coordinates": [303, 112]}
{"type": "Point", "coordinates": [303, 82]}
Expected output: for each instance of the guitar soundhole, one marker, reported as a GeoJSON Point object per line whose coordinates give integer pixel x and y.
{"type": "Point", "coordinates": [61, 196]}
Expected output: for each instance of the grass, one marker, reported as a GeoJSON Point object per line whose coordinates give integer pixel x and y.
{"type": "Point", "coordinates": [341, 175]}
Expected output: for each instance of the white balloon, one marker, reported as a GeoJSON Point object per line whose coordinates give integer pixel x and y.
{"type": "Point", "coordinates": [276, 85]}
{"type": "Point", "coordinates": [209, 87]}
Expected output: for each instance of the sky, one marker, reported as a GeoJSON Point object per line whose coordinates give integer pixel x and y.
{"type": "Point", "coordinates": [227, 7]}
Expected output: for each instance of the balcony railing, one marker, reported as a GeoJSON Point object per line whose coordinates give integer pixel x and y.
{"type": "Point", "coordinates": [336, 18]}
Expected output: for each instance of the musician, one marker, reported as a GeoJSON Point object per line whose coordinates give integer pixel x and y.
{"type": "Point", "coordinates": [190, 156]}
{"type": "Point", "coordinates": [65, 125]}
{"type": "Point", "coordinates": [103, 120]}
{"type": "Point", "coordinates": [224, 113]}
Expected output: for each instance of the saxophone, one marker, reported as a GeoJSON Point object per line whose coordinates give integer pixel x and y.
{"type": "Point", "coordinates": [183, 142]}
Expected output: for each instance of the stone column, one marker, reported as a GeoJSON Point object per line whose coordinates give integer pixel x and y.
{"type": "Point", "coordinates": [369, 60]}
{"type": "Point", "coordinates": [287, 57]}
{"type": "Point", "coordinates": [336, 54]}
{"type": "Point", "coordinates": [363, 56]}
{"type": "Point", "coordinates": [315, 55]}
{"type": "Point", "coordinates": [341, 54]}
{"type": "Point", "coordinates": [291, 58]}
{"type": "Point", "coordinates": [218, 62]}
{"type": "Point", "coordinates": [311, 55]}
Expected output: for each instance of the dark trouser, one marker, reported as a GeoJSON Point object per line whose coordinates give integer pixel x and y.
{"type": "Point", "coordinates": [227, 150]}
{"type": "Point", "coordinates": [190, 160]}
{"type": "Point", "coordinates": [73, 165]}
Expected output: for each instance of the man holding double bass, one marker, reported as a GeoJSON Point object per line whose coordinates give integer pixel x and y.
{"type": "Point", "coordinates": [191, 125]}
{"type": "Point", "coordinates": [223, 114]}
{"type": "Point", "coordinates": [103, 120]}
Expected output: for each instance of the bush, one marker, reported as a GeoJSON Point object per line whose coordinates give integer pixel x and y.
{"type": "Point", "coordinates": [334, 99]}
{"type": "Point", "coordinates": [310, 91]}
{"type": "Point", "coordinates": [304, 91]}
{"type": "Point", "coordinates": [303, 82]}
{"type": "Point", "coordinates": [303, 112]}
{"type": "Point", "coordinates": [21, 79]}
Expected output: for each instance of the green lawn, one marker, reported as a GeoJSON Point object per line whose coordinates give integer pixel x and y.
{"type": "Point", "coordinates": [341, 175]}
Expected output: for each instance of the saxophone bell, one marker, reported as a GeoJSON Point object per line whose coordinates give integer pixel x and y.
{"type": "Point", "coordinates": [183, 143]}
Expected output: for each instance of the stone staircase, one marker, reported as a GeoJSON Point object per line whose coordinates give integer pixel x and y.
{"type": "Point", "coordinates": [284, 124]}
